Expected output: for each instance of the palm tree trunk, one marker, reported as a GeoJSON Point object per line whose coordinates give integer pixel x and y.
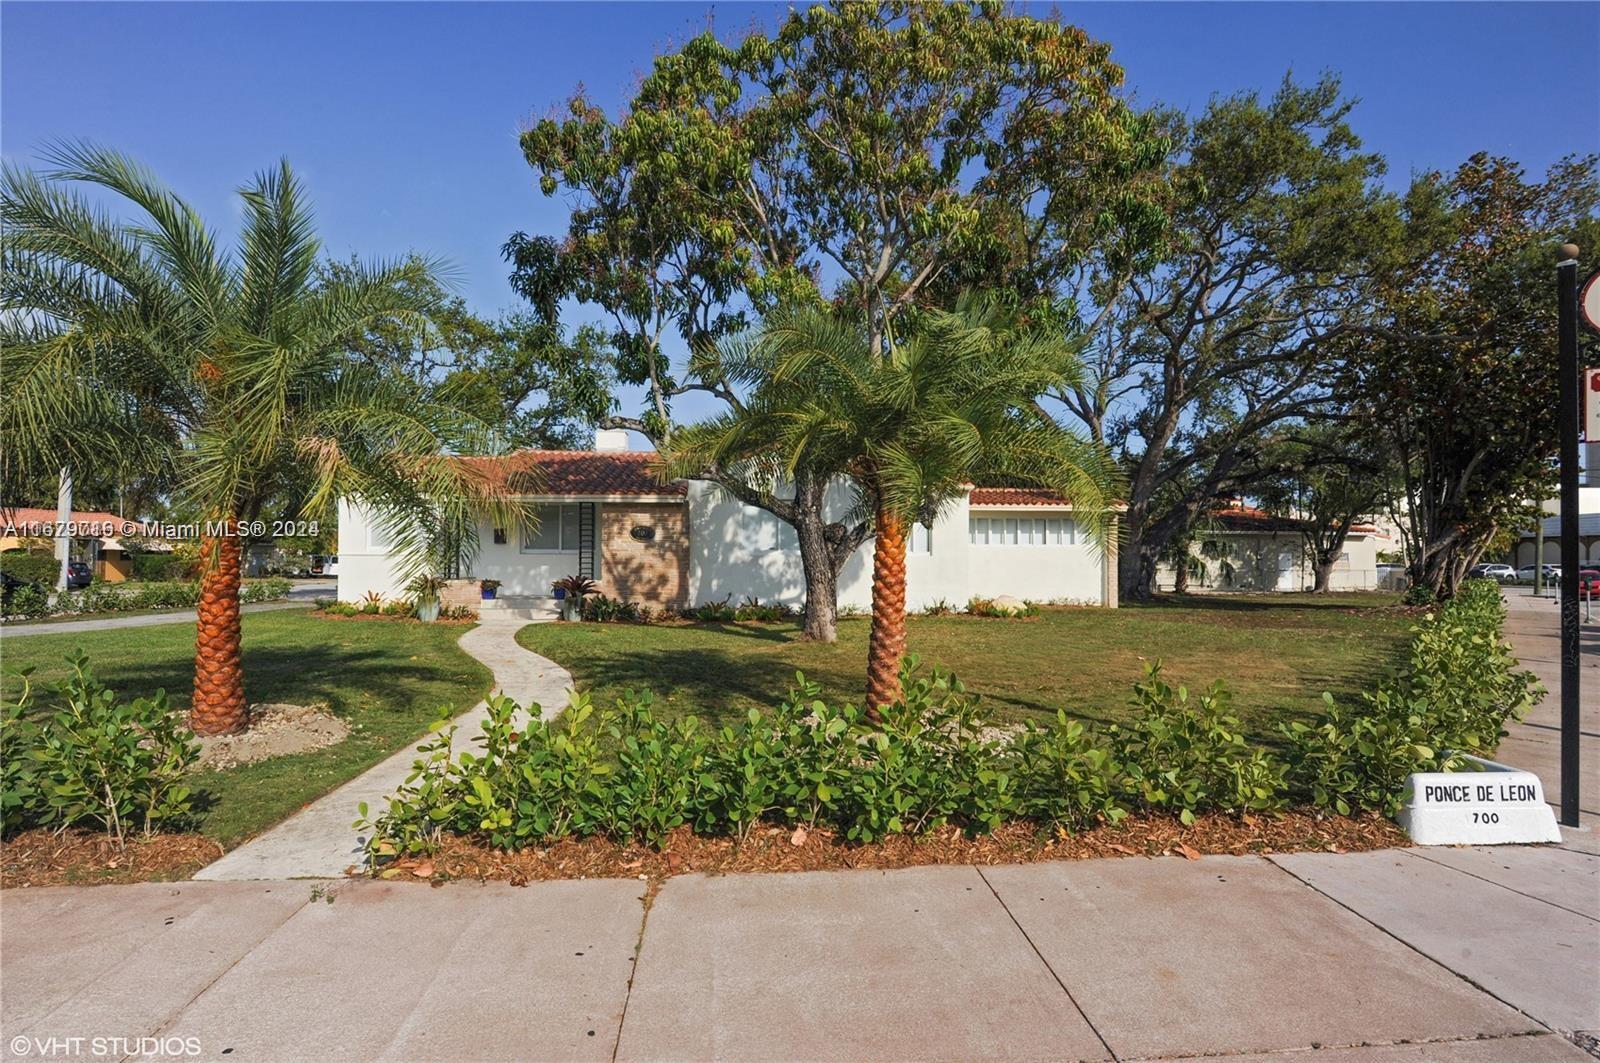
{"type": "Point", "coordinates": [887, 644]}
{"type": "Point", "coordinates": [219, 706]}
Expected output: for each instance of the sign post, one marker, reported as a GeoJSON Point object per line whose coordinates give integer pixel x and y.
{"type": "Point", "coordinates": [1570, 393]}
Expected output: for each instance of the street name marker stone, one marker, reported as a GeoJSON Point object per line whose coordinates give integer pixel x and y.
{"type": "Point", "coordinates": [1497, 805]}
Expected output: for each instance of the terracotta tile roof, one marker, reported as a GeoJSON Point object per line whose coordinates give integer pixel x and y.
{"type": "Point", "coordinates": [1021, 496]}
{"type": "Point", "coordinates": [1248, 518]}
{"type": "Point", "coordinates": [578, 472]}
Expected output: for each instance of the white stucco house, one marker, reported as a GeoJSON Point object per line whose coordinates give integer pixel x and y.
{"type": "Point", "coordinates": [1248, 549]}
{"type": "Point", "coordinates": [603, 514]}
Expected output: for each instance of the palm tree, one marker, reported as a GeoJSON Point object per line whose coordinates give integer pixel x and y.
{"type": "Point", "coordinates": [228, 372]}
{"type": "Point", "coordinates": [950, 404]}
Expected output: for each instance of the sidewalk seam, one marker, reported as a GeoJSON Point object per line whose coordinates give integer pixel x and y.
{"type": "Point", "coordinates": [1502, 885]}
{"type": "Point", "coordinates": [1074, 1000]}
{"type": "Point", "coordinates": [647, 902]}
{"type": "Point", "coordinates": [1436, 962]}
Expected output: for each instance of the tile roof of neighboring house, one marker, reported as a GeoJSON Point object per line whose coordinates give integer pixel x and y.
{"type": "Point", "coordinates": [1020, 496]}
{"type": "Point", "coordinates": [1241, 518]}
{"type": "Point", "coordinates": [578, 472]}
{"type": "Point", "coordinates": [31, 516]}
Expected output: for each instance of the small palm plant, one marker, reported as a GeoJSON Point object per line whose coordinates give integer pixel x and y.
{"type": "Point", "coordinates": [229, 373]}
{"type": "Point", "coordinates": [950, 404]}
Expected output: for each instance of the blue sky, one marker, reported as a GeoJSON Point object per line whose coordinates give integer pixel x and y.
{"type": "Point", "coordinates": [403, 118]}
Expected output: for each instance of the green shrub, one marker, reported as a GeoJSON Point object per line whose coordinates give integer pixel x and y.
{"type": "Point", "coordinates": [934, 759]}
{"type": "Point", "coordinates": [1191, 756]}
{"type": "Point", "coordinates": [161, 568]}
{"type": "Point", "coordinates": [96, 760]}
{"type": "Point", "coordinates": [714, 612]}
{"type": "Point", "coordinates": [265, 590]}
{"type": "Point", "coordinates": [1418, 595]}
{"type": "Point", "coordinates": [600, 609]}
{"type": "Point", "coordinates": [988, 607]}
{"type": "Point", "coordinates": [763, 612]}
{"type": "Point", "coordinates": [41, 569]}
{"type": "Point", "coordinates": [29, 602]}
{"type": "Point", "coordinates": [1458, 689]}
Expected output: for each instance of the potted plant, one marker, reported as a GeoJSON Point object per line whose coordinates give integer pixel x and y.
{"type": "Point", "coordinates": [425, 591]}
{"type": "Point", "coordinates": [488, 587]}
{"type": "Point", "coordinates": [570, 592]}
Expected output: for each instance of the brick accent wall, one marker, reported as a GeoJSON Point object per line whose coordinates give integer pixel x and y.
{"type": "Point", "coordinates": [654, 573]}
{"type": "Point", "coordinates": [460, 593]}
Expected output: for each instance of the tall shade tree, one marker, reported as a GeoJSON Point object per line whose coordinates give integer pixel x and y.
{"type": "Point", "coordinates": [912, 425]}
{"type": "Point", "coordinates": [1460, 372]}
{"type": "Point", "coordinates": [143, 342]}
{"type": "Point", "coordinates": [878, 157]}
{"type": "Point", "coordinates": [1276, 221]}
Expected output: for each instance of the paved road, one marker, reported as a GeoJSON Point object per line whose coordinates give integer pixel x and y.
{"type": "Point", "coordinates": [1483, 956]}
{"type": "Point", "coordinates": [301, 597]}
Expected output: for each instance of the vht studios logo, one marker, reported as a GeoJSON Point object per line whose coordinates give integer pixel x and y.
{"type": "Point", "coordinates": [102, 1047]}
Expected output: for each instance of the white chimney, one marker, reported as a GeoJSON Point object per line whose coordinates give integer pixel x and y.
{"type": "Point", "coordinates": [610, 439]}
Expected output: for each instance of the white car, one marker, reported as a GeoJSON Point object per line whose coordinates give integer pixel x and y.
{"type": "Point", "coordinates": [1502, 573]}
{"type": "Point", "coordinates": [1525, 573]}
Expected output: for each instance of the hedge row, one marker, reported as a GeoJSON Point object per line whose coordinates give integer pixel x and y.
{"type": "Point", "coordinates": [28, 603]}
{"type": "Point", "coordinates": [937, 759]}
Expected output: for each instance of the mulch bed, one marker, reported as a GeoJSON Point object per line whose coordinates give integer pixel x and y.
{"type": "Point", "coordinates": [80, 858]}
{"type": "Point", "coordinates": [447, 621]}
{"type": "Point", "coordinates": [771, 849]}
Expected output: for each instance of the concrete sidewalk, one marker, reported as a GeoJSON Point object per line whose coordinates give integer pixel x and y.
{"type": "Point", "coordinates": [1400, 955]}
{"type": "Point", "coordinates": [301, 596]}
{"type": "Point", "coordinates": [1533, 627]}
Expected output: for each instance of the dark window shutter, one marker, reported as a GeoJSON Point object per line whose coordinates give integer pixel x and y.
{"type": "Point", "coordinates": [586, 540]}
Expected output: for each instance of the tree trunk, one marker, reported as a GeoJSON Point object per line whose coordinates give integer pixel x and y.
{"type": "Point", "coordinates": [1180, 575]}
{"type": "Point", "coordinates": [219, 706]}
{"type": "Point", "coordinates": [816, 560]}
{"type": "Point", "coordinates": [1321, 574]}
{"type": "Point", "coordinates": [886, 646]}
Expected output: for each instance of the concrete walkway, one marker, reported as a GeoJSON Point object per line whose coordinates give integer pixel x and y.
{"type": "Point", "coordinates": [319, 841]}
{"type": "Point", "coordinates": [1533, 626]}
{"type": "Point", "coordinates": [303, 596]}
{"type": "Point", "coordinates": [1401, 955]}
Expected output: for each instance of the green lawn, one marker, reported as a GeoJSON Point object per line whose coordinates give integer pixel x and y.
{"type": "Point", "coordinates": [1277, 653]}
{"type": "Point", "coordinates": [386, 678]}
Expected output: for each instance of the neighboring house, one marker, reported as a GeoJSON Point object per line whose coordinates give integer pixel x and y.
{"type": "Point", "coordinates": [97, 537]}
{"type": "Point", "coordinates": [603, 514]}
{"type": "Point", "coordinates": [1248, 549]}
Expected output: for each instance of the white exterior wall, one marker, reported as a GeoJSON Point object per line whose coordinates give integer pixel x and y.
{"type": "Point", "coordinates": [365, 564]}
{"type": "Point", "coordinates": [364, 561]}
{"type": "Point", "coordinates": [736, 550]}
{"type": "Point", "coordinates": [1266, 561]}
{"type": "Point", "coordinates": [1043, 573]}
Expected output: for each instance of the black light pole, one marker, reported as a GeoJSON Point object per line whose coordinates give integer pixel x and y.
{"type": "Point", "coordinates": [1567, 332]}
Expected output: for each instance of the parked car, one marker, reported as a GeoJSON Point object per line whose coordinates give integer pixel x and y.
{"type": "Point", "coordinates": [1588, 582]}
{"type": "Point", "coordinates": [1494, 572]}
{"type": "Point", "coordinates": [1525, 573]}
{"type": "Point", "coordinates": [78, 574]}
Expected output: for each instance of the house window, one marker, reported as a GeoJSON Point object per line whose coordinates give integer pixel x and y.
{"type": "Point", "coordinates": [557, 530]}
{"type": "Point", "coordinates": [378, 538]}
{"type": "Point", "coordinates": [1022, 531]}
{"type": "Point", "coordinates": [921, 539]}
{"type": "Point", "coordinates": [499, 536]}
